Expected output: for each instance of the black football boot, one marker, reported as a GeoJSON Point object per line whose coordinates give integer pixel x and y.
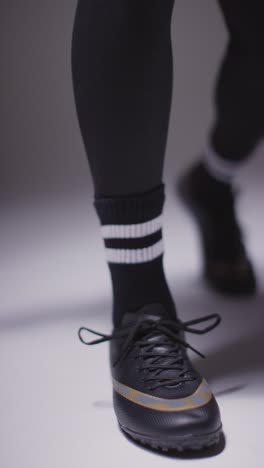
{"type": "Point", "coordinates": [227, 267]}
{"type": "Point", "coordinates": [159, 397]}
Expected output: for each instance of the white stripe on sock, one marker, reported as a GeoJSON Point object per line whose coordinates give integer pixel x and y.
{"type": "Point", "coordinates": [218, 167]}
{"type": "Point", "coordinates": [135, 255]}
{"type": "Point", "coordinates": [129, 231]}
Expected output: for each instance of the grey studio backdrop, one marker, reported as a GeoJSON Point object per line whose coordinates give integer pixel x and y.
{"type": "Point", "coordinates": [52, 267]}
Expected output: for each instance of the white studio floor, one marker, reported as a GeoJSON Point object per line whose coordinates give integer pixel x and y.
{"type": "Point", "coordinates": [55, 406]}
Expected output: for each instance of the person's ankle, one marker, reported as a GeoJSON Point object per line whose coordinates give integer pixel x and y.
{"type": "Point", "coordinates": [211, 192]}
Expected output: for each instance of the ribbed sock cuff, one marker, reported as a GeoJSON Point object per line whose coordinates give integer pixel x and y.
{"type": "Point", "coordinates": [130, 209]}
{"type": "Point", "coordinates": [131, 226]}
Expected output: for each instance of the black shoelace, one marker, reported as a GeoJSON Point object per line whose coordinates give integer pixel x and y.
{"type": "Point", "coordinates": [164, 352]}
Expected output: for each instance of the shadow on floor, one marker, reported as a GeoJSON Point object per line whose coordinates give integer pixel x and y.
{"type": "Point", "coordinates": [236, 347]}
{"type": "Point", "coordinates": [235, 350]}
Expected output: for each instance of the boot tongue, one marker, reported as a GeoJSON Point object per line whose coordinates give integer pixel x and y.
{"type": "Point", "coordinates": [153, 311]}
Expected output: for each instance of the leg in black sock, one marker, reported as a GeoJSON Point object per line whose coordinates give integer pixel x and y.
{"type": "Point", "coordinates": [122, 71]}
{"type": "Point", "coordinates": [208, 186]}
{"type": "Point", "coordinates": [239, 96]}
{"type": "Point", "coordinates": [122, 77]}
{"type": "Point", "coordinates": [240, 92]}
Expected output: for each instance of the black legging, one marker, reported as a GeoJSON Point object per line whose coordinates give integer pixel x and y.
{"type": "Point", "coordinates": [122, 77]}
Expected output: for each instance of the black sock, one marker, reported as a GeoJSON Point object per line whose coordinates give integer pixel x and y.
{"type": "Point", "coordinates": [131, 228]}
{"type": "Point", "coordinates": [215, 194]}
